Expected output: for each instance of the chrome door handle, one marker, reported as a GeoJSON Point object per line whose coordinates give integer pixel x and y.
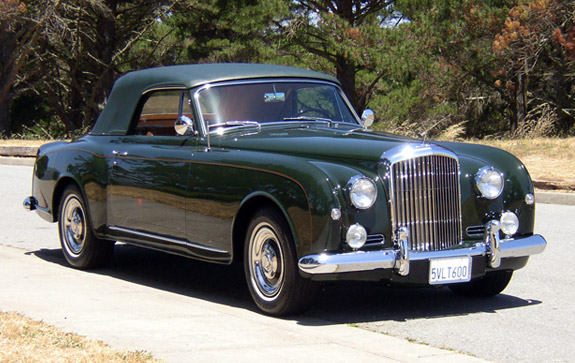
{"type": "Point", "coordinates": [117, 153]}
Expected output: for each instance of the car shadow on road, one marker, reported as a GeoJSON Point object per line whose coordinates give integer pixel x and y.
{"type": "Point", "coordinates": [343, 302]}
{"type": "Point", "coordinates": [352, 303]}
{"type": "Point", "coordinates": [221, 284]}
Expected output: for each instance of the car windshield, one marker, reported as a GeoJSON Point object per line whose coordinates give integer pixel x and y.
{"type": "Point", "coordinates": [260, 103]}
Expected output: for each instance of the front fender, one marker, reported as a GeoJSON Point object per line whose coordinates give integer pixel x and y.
{"type": "Point", "coordinates": [477, 210]}
{"type": "Point", "coordinates": [376, 219]}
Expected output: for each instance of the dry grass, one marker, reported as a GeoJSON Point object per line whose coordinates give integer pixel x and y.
{"type": "Point", "coordinates": [550, 161]}
{"type": "Point", "coordinates": [26, 340]}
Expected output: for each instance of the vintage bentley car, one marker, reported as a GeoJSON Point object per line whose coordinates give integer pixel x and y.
{"type": "Point", "coordinates": [270, 167]}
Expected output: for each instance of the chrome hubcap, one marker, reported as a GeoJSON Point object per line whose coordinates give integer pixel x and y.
{"type": "Point", "coordinates": [74, 225]}
{"type": "Point", "coordinates": [266, 261]}
{"type": "Point", "coordinates": [269, 262]}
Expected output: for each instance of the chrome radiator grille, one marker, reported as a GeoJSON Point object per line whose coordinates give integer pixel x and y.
{"type": "Point", "coordinates": [425, 197]}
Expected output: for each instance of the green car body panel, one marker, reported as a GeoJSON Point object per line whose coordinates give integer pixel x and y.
{"type": "Point", "coordinates": [195, 194]}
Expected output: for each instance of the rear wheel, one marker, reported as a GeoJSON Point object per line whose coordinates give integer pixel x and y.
{"type": "Point", "coordinates": [490, 285]}
{"type": "Point", "coordinates": [80, 246]}
{"type": "Point", "coordinates": [270, 264]}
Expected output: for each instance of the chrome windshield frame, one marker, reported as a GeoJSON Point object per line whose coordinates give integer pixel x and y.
{"type": "Point", "coordinates": [203, 128]}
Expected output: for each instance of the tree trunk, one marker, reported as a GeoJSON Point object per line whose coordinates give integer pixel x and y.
{"type": "Point", "coordinates": [346, 75]}
{"type": "Point", "coordinates": [108, 44]}
{"type": "Point", "coordinates": [5, 123]}
{"type": "Point", "coordinates": [7, 76]}
{"type": "Point", "coordinates": [520, 102]}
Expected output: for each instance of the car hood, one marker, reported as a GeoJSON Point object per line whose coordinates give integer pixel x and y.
{"type": "Point", "coordinates": [338, 144]}
{"type": "Point", "coordinates": [322, 143]}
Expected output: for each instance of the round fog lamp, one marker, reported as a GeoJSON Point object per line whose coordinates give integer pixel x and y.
{"type": "Point", "coordinates": [356, 236]}
{"type": "Point", "coordinates": [509, 223]}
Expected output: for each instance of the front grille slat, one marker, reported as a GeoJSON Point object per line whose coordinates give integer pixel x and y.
{"type": "Point", "coordinates": [445, 201]}
{"type": "Point", "coordinates": [426, 199]}
{"type": "Point", "coordinates": [444, 206]}
{"type": "Point", "coordinates": [433, 204]}
{"type": "Point", "coordinates": [418, 189]}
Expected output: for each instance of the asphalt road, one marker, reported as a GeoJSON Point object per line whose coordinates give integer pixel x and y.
{"type": "Point", "coordinates": [533, 320]}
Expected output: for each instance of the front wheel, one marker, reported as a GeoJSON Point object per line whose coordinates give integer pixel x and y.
{"type": "Point", "coordinates": [80, 245]}
{"type": "Point", "coordinates": [490, 285]}
{"type": "Point", "coordinates": [270, 264]}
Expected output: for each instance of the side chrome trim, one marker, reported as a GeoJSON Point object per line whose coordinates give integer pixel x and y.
{"type": "Point", "coordinates": [387, 259]}
{"type": "Point", "coordinates": [167, 239]}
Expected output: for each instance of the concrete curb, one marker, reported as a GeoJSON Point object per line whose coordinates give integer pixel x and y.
{"type": "Point", "coordinates": [18, 151]}
{"type": "Point", "coordinates": [546, 197]}
{"type": "Point", "coordinates": [17, 155]}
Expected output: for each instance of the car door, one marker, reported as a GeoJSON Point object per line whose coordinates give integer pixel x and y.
{"type": "Point", "coordinates": [149, 176]}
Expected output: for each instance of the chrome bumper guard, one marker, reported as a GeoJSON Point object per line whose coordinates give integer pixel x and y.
{"type": "Point", "coordinates": [399, 258]}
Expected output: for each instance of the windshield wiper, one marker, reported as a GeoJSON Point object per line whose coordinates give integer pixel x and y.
{"type": "Point", "coordinates": [234, 123]}
{"type": "Point", "coordinates": [310, 118]}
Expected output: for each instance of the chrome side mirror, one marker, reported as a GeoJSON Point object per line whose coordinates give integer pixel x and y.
{"type": "Point", "coordinates": [184, 125]}
{"type": "Point", "coordinates": [367, 117]}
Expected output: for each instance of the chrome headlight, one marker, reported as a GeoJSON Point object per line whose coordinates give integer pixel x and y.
{"type": "Point", "coordinates": [362, 192]}
{"type": "Point", "coordinates": [489, 182]}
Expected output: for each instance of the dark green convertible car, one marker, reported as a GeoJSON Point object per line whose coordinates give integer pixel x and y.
{"type": "Point", "coordinates": [269, 166]}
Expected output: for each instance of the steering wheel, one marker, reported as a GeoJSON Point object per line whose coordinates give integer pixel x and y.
{"type": "Point", "coordinates": [322, 113]}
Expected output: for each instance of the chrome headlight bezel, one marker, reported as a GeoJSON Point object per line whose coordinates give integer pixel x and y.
{"type": "Point", "coordinates": [489, 182]}
{"type": "Point", "coordinates": [362, 192]}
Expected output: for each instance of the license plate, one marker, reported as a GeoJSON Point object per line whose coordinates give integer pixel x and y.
{"type": "Point", "coordinates": [449, 270]}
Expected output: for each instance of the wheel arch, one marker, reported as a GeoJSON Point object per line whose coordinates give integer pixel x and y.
{"type": "Point", "coordinates": [248, 207]}
{"type": "Point", "coordinates": [62, 184]}
{"type": "Point", "coordinates": [59, 189]}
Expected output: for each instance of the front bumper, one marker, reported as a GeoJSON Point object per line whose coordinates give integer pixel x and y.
{"type": "Point", "coordinates": [399, 258]}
